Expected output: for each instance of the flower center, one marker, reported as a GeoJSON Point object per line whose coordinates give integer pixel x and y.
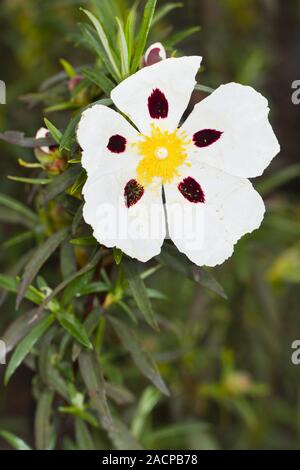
{"type": "Point", "coordinates": [162, 154]}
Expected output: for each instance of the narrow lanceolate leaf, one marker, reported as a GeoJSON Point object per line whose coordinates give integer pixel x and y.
{"type": "Point", "coordinates": [181, 35]}
{"type": "Point", "coordinates": [18, 138]}
{"type": "Point", "coordinates": [281, 177]}
{"type": "Point", "coordinates": [18, 329]}
{"type": "Point", "coordinates": [93, 378]}
{"type": "Point", "coordinates": [123, 49]}
{"type": "Point", "coordinates": [172, 258]}
{"type": "Point", "coordinates": [60, 183]}
{"type": "Point", "coordinates": [14, 441]}
{"type": "Point", "coordinates": [164, 10]}
{"type": "Point", "coordinates": [56, 134]}
{"type": "Point", "coordinates": [122, 438]}
{"type": "Point", "coordinates": [38, 181]}
{"type": "Point", "coordinates": [130, 30]}
{"type": "Point", "coordinates": [18, 207]}
{"type": "Point", "coordinates": [42, 425]}
{"type": "Point", "coordinates": [25, 346]}
{"type": "Point", "coordinates": [83, 436]}
{"type": "Point", "coordinates": [39, 258]}
{"type": "Point", "coordinates": [143, 34]}
{"type": "Point", "coordinates": [139, 291]}
{"type": "Point", "coordinates": [99, 79]}
{"type": "Point", "coordinates": [73, 326]}
{"type": "Point", "coordinates": [104, 42]}
{"type": "Point", "coordinates": [140, 358]}
{"type": "Point", "coordinates": [12, 284]}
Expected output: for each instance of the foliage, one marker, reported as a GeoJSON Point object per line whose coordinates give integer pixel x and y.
{"type": "Point", "coordinates": [110, 353]}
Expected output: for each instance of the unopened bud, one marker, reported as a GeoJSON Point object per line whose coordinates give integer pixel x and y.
{"type": "Point", "coordinates": [155, 53]}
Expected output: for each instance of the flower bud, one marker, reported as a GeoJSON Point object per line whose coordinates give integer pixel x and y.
{"type": "Point", "coordinates": [49, 156]}
{"type": "Point", "coordinates": [155, 53]}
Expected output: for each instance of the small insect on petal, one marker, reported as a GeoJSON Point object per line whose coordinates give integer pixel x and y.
{"type": "Point", "coordinates": [206, 137]}
{"type": "Point", "coordinates": [191, 190]}
{"type": "Point", "coordinates": [117, 144]}
{"type": "Point", "coordinates": [158, 105]}
{"type": "Point", "coordinates": [133, 192]}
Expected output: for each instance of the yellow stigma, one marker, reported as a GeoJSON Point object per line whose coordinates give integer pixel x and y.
{"type": "Point", "coordinates": [163, 153]}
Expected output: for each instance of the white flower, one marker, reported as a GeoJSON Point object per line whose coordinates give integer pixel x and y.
{"type": "Point", "coordinates": [207, 202]}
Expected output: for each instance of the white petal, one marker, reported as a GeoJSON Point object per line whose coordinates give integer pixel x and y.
{"type": "Point", "coordinates": [139, 230]}
{"type": "Point", "coordinates": [174, 77]}
{"type": "Point", "coordinates": [97, 125]}
{"type": "Point", "coordinates": [206, 232]}
{"type": "Point", "coordinates": [248, 143]}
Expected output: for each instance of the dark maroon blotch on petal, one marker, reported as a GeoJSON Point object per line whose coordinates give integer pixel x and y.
{"type": "Point", "coordinates": [133, 192]}
{"type": "Point", "coordinates": [206, 137]}
{"type": "Point", "coordinates": [117, 144]}
{"type": "Point", "coordinates": [158, 105]}
{"type": "Point", "coordinates": [191, 190]}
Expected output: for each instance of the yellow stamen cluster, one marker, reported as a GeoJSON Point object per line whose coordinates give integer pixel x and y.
{"type": "Point", "coordinates": [163, 153]}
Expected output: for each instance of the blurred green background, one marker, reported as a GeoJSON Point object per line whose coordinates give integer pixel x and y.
{"type": "Point", "coordinates": [227, 362]}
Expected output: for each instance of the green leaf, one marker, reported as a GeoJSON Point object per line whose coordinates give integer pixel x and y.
{"type": "Point", "coordinates": [140, 358]}
{"type": "Point", "coordinates": [9, 217]}
{"type": "Point", "coordinates": [93, 378]}
{"type": "Point", "coordinates": [172, 258]}
{"type": "Point", "coordinates": [84, 241]}
{"type": "Point", "coordinates": [143, 34]}
{"type": "Point", "coordinates": [281, 177]}
{"type": "Point", "coordinates": [18, 138]}
{"type": "Point", "coordinates": [21, 179]}
{"type": "Point", "coordinates": [17, 239]}
{"type": "Point", "coordinates": [18, 207]}
{"type": "Point", "coordinates": [164, 11]}
{"type": "Point", "coordinates": [99, 79]}
{"type": "Point", "coordinates": [139, 291]}
{"type": "Point", "coordinates": [104, 42]}
{"type": "Point", "coordinates": [56, 134]}
{"type": "Point", "coordinates": [118, 255]}
{"type": "Point", "coordinates": [180, 36]}
{"type": "Point", "coordinates": [130, 30]}
{"type": "Point", "coordinates": [25, 346]}
{"type": "Point", "coordinates": [14, 441]}
{"type": "Point", "coordinates": [68, 68]}
{"type": "Point", "coordinates": [12, 284]}
{"type": "Point", "coordinates": [41, 255]}
{"type": "Point", "coordinates": [83, 436]}
{"type": "Point", "coordinates": [123, 50]}
{"type": "Point", "coordinates": [88, 267]}
{"type": "Point", "coordinates": [119, 394]}
{"type": "Point", "coordinates": [18, 329]}
{"type": "Point", "coordinates": [78, 183]}
{"type": "Point", "coordinates": [42, 426]}
{"type": "Point", "coordinates": [67, 260]}
{"type": "Point", "coordinates": [75, 328]}
{"type": "Point", "coordinates": [60, 183]}
{"type": "Point", "coordinates": [147, 403]}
